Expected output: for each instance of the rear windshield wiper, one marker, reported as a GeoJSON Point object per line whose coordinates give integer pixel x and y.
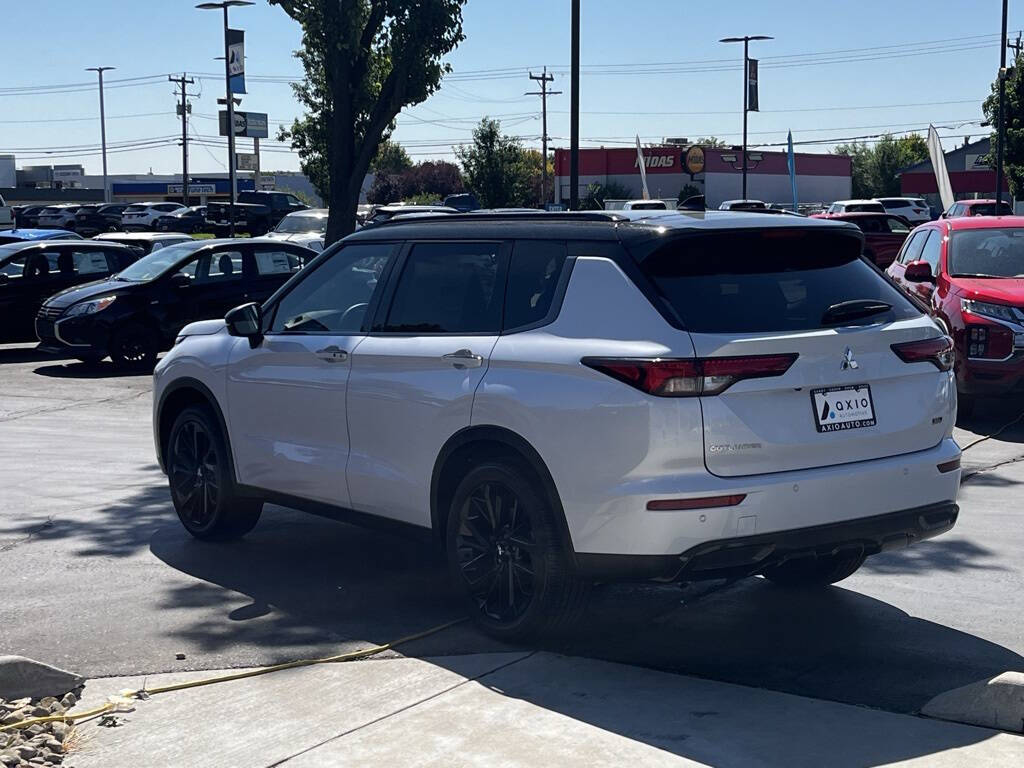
{"type": "Point", "coordinates": [853, 310]}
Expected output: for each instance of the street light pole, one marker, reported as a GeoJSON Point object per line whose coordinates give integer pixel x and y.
{"type": "Point", "coordinates": [746, 90]}
{"type": "Point", "coordinates": [103, 130]}
{"type": "Point", "coordinates": [574, 110]}
{"type": "Point", "coordinates": [1000, 128]}
{"type": "Point", "coordinates": [225, 4]}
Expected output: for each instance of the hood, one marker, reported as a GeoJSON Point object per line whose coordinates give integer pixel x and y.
{"type": "Point", "coordinates": [1004, 290]}
{"type": "Point", "coordinates": [202, 328]}
{"type": "Point", "coordinates": [78, 293]}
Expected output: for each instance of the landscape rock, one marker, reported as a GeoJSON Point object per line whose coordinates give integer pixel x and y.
{"type": "Point", "coordinates": [21, 677]}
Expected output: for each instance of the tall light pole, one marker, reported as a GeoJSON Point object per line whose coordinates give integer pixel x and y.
{"type": "Point", "coordinates": [103, 130]}
{"type": "Point", "coordinates": [746, 89]}
{"type": "Point", "coordinates": [574, 109]}
{"type": "Point", "coordinates": [1000, 126]}
{"type": "Point", "coordinates": [225, 4]}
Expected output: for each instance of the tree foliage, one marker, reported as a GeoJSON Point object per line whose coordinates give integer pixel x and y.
{"type": "Point", "coordinates": [598, 193]}
{"type": "Point", "coordinates": [876, 168]}
{"type": "Point", "coordinates": [709, 141]}
{"type": "Point", "coordinates": [429, 180]}
{"type": "Point", "coordinates": [498, 169]}
{"type": "Point", "coordinates": [364, 60]}
{"type": "Point", "coordinates": [1013, 119]}
{"type": "Point", "coordinates": [391, 157]}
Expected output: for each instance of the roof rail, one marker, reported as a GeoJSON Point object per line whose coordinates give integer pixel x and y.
{"type": "Point", "coordinates": [427, 217]}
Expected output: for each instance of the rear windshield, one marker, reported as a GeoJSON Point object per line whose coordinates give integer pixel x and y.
{"type": "Point", "coordinates": [987, 253]}
{"type": "Point", "coordinates": [773, 280]}
{"type": "Point", "coordinates": [989, 209]}
{"type": "Point", "coordinates": [891, 205]}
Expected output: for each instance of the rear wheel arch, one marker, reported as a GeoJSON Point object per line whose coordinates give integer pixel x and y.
{"type": "Point", "coordinates": [178, 396]}
{"type": "Point", "coordinates": [476, 445]}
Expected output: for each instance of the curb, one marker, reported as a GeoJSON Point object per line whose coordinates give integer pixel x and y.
{"type": "Point", "coordinates": [994, 703]}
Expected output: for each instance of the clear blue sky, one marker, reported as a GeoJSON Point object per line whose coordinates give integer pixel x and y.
{"type": "Point", "coordinates": [811, 80]}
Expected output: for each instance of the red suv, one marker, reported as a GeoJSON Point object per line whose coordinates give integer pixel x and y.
{"type": "Point", "coordinates": [970, 273]}
{"type": "Point", "coordinates": [976, 208]}
{"type": "Point", "coordinates": [884, 233]}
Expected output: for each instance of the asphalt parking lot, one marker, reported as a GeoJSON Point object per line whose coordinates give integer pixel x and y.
{"type": "Point", "coordinates": [98, 576]}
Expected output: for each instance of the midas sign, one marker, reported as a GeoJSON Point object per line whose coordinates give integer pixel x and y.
{"type": "Point", "coordinates": [657, 161]}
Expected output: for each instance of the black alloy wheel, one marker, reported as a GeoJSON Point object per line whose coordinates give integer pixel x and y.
{"type": "Point", "coordinates": [133, 346]}
{"type": "Point", "coordinates": [505, 555]}
{"type": "Point", "coordinates": [495, 547]}
{"type": "Point", "coordinates": [202, 488]}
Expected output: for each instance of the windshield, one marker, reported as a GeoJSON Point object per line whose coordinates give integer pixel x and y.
{"type": "Point", "coordinates": [158, 262]}
{"type": "Point", "coordinates": [294, 224]}
{"type": "Point", "coordinates": [987, 253]}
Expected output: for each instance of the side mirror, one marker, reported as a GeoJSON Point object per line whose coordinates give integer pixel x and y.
{"type": "Point", "coordinates": [919, 272]}
{"type": "Point", "coordinates": [180, 280]}
{"type": "Point", "coordinates": [245, 321]}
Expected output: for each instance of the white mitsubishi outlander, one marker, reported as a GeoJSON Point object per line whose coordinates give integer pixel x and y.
{"type": "Point", "coordinates": [561, 399]}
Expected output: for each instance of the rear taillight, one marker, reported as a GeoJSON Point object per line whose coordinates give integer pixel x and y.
{"type": "Point", "coordinates": [692, 377]}
{"type": "Point", "coordinates": [938, 351]}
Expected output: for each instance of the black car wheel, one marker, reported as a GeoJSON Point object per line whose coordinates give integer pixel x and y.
{"type": "Point", "coordinates": [505, 556]}
{"type": "Point", "coordinates": [818, 571]}
{"type": "Point", "coordinates": [134, 346]}
{"type": "Point", "coordinates": [202, 489]}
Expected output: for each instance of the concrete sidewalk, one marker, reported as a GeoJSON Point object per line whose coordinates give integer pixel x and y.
{"type": "Point", "coordinates": [510, 709]}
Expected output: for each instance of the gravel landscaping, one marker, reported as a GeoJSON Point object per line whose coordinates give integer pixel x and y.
{"type": "Point", "coordinates": [41, 744]}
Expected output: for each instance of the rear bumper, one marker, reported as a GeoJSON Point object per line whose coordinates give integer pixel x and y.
{"type": "Point", "coordinates": [749, 555]}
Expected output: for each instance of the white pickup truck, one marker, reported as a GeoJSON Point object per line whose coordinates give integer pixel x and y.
{"type": "Point", "coordinates": [6, 215]}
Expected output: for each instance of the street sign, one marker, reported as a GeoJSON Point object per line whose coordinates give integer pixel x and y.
{"type": "Point", "coordinates": [193, 189]}
{"type": "Point", "coordinates": [252, 124]}
{"type": "Point", "coordinates": [268, 182]}
{"type": "Point", "coordinates": [246, 161]}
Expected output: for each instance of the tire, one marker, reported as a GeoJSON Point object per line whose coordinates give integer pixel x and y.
{"type": "Point", "coordinates": [134, 345]}
{"type": "Point", "coordinates": [815, 571]}
{"type": "Point", "coordinates": [199, 475]}
{"type": "Point", "coordinates": [505, 556]}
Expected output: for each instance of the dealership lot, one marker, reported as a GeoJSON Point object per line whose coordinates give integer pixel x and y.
{"type": "Point", "coordinates": [99, 576]}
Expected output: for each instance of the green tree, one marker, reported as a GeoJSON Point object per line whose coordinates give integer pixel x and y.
{"type": "Point", "coordinates": [876, 169]}
{"type": "Point", "coordinates": [709, 141]}
{"type": "Point", "coordinates": [391, 157]}
{"type": "Point", "coordinates": [1013, 119]}
{"type": "Point", "coordinates": [688, 190]}
{"type": "Point", "coordinates": [598, 193]}
{"type": "Point", "coordinates": [364, 60]}
{"type": "Point", "coordinates": [496, 167]}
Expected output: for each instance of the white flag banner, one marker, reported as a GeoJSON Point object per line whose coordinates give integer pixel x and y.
{"type": "Point", "coordinates": [939, 165]}
{"type": "Point", "coordinates": [643, 168]}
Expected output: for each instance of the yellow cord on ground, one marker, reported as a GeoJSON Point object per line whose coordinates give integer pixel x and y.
{"type": "Point", "coordinates": [349, 656]}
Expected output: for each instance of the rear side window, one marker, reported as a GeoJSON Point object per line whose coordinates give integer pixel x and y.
{"type": "Point", "coordinates": [448, 288]}
{"type": "Point", "coordinates": [932, 249]}
{"type": "Point", "coordinates": [749, 282]}
{"type": "Point", "coordinates": [865, 208]}
{"type": "Point", "coordinates": [892, 205]}
{"type": "Point", "coordinates": [90, 262]}
{"type": "Point", "coordinates": [276, 262]}
{"type": "Point", "coordinates": [913, 249]}
{"type": "Point", "coordinates": [532, 280]}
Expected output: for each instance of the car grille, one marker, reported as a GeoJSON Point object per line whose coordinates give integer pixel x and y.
{"type": "Point", "coordinates": [50, 313]}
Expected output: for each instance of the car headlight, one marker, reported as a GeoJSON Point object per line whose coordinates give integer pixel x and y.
{"type": "Point", "coordinates": [997, 311]}
{"type": "Point", "coordinates": [90, 307]}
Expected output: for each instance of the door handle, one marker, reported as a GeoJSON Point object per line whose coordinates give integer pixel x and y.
{"type": "Point", "coordinates": [332, 354]}
{"type": "Point", "coordinates": [463, 358]}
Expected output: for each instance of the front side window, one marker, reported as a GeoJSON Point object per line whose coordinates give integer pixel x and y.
{"type": "Point", "coordinates": [219, 267]}
{"type": "Point", "coordinates": [448, 288]}
{"type": "Point", "coordinates": [334, 297]}
{"type": "Point", "coordinates": [86, 262]}
{"type": "Point", "coordinates": [987, 253]}
{"type": "Point", "coordinates": [897, 226]}
{"type": "Point", "coordinates": [270, 262]}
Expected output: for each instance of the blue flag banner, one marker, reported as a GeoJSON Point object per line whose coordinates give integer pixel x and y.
{"type": "Point", "coordinates": [236, 60]}
{"type": "Point", "coordinates": [791, 164]}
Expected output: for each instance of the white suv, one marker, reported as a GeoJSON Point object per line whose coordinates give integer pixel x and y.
{"type": "Point", "coordinates": [140, 217]}
{"type": "Point", "coordinates": [562, 399]}
{"type": "Point", "coordinates": [913, 209]}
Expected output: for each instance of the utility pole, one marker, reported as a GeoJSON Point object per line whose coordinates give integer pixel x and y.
{"type": "Point", "coordinates": [746, 92]}
{"type": "Point", "coordinates": [574, 111]}
{"type": "Point", "coordinates": [543, 79]}
{"type": "Point", "coordinates": [183, 109]}
{"type": "Point", "coordinates": [1000, 127]}
{"type": "Point", "coordinates": [103, 130]}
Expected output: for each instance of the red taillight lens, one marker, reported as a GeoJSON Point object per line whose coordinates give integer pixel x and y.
{"type": "Point", "coordinates": [937, 351]}
{"type": "Point", "coordinates": [690, 378]}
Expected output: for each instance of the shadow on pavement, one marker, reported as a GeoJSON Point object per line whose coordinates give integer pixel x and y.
{"type": "Point", "coordinates": [948, 555]}
{"type": "Point", "coordinates": [995, 414]}
{"type": "Point", "coordinates": [79, 370]}
{"type": "Point", "coordinates": [307, 582]}
{"type": "Point", "coordinates": [25, 354]}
